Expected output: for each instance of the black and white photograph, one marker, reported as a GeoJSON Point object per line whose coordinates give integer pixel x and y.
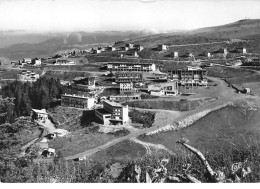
{"type": "Point", "coordinates": [129, 91]}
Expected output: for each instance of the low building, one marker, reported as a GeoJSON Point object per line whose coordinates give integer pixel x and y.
{"type": "Point", "coordinates": [125, 77]}
{"type": "Point", "coordinates": [90, 82]}
{"type": "Point", "coordinates": [167, 89]}
{"type": "Point", "coordinates": [97, 51]}
{"type": "Point", "coordinates": [189, 76]}
{"type": "Point", "coordinates": [77, 101]}
{"type": "Point", "coordinates": [39, 114]}
{"type": "Point", "coordinates": [121, 98]}
{"type": "Point", "coordinates": [27, 60]}
{"type": "Point", "coordinates": [124, 48]}
{"type": "Point", "coordinates": [112, 112]}
{"type": "Point", "coordinates": [129, 45]}
{"type": "Point", "coordinates": [139, 47]}
{"type": "Point", "coordinates": [36, 62]}
{"type": "Point", "coordinates": [162, 47]}
{"type": "Point", "coordinates": [64, 62]}
{"type": "Point", "coordinates": [111, 48]}
{"type": "Point", "coordinates": [128, 66]}
{"type": "Point", "coordinates": [176, 54]}
{"type": "Point", "coordinates": [28, 76]}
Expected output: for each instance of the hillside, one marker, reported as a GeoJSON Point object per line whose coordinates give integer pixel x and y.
{"type": "Point", "coordinates": [59, 41]}
{"type": "Point", "coordinates": [244, 29]}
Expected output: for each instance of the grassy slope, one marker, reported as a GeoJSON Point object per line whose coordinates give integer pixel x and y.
{"type": "Point", "coordinates": [218, 130]}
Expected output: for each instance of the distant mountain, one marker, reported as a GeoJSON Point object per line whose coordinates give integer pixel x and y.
{"type": "Point", "coordinates": [247, 28]}
{"type": "Point", "coordinates": [244, 29]}
{"type": "Point", "coordinates": [36, 45]}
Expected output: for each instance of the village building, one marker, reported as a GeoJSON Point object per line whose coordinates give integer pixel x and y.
{"type": "Point", "coordinates": [167, 89]}
{"type": "Point", "coordinates": [176, 54]}
{"type": "Point", "coordinates": [90, 82]}
{"type": "Point", "coordinates": [39, 114]}
{"type": "Point", "coordinates": [124, 48]}
{"type": "Point", "coordinates": [162, 47]}
{"type": "Point", "coordinates": [36, 62]}
{"type": "Point", "coordinates": [189, 76]}
{"type": "Point", "coordinates": [129, 45]}
{"type": "Point", "coordinates": [27, 60]}
{"type": "Point", "coordinates": [27, 76]}
{"type": "Point", "coordinates": [112, 112]}
{"type": "Point", "coordinates": [111, 48]}
{"type": "Point", "coordinates": [122, 98]}
{"type": "Point", "coordinates": [128, 66]}
{"type": "Point", "coordinates": [122, 77]}
{"type": "Point", "coordinates": [77, 101]}
{"type": "Point", "coordinates": [64, 62]}
{"type": "Point", "coordinates": [139, 47]}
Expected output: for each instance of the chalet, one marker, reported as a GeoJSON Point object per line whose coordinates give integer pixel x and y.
{"type": "Point", "coordinates": [39, 114]}
{"type": "Point", "coordinates": [36, 62]}
{"type": "Point", "coordinates": [139, 47]}
{"type": "Point", "coordinates": [129, 45]}
{"type": "Point", "coordinates": [162, 47]}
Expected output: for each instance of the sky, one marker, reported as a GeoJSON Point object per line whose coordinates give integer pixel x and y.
{"type": "Point", "coordinates": [122, 15]}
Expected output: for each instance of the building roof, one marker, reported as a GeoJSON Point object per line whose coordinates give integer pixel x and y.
{"type": "Point", "coordinates": [42, 111]}
{"type": "Point", "coordinates": [61, 131]}
{"type": "Point", "coordinates": [133, 63]}
{"type": "Point", "coordinates": [103, 111]}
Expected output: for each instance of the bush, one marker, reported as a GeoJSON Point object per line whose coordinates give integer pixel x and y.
{"type": "Point", "coordinates": [145, 118]}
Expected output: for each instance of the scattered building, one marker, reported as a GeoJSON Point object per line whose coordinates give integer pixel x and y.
{"type": "Point", "coordinates": [60, 133]}
{"type": "Point", "coordinates": [111, 48]}
{"type": "Point", "coordinates": [97, 51]}
{"type": "Point", "coordinates": [129, 45]}
{"type": "Point", "coordinates": [176, 54]}
{"type": "Point", "coordinates": [39, 114]}
{"type": "Point", "coordinates": [139, 47]}
{"type": "Point", "coordinates": [122, 77]}
{"type": "Point", "coordinates": [90, 82]}
{"type": "Point", "coordinates": [112, 112]}
{"type": "Point", "coordinates": [36, 62]}
{"type": "Point", "coordinates": [162, 47]}
{"type": "Point", "coordinates": [128, 66]}
{"type": "Point", "coordinates": [28, 76]}
{"type": "Point", "coordinates": [27, 60]}
{"type": "Point", "coordinates": [189, 76]}
{"type": "Point", "coordinates": [240, 89]}
{"type": "Point", "coordinates": [77, 101]}
{"type": "Point", "coordinates": [124, 48]}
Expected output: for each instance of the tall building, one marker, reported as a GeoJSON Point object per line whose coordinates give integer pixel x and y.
{"type": "Point", "coordinates": [77, 101]}
{"type": "Point", "coordinates": [190, 76]}
{"type": "Point", "coordinates": [112, 112]}
{"type": "Point", "coordinates": [128, 66]}
{"type": "Point", "coordinates": [125, 77]}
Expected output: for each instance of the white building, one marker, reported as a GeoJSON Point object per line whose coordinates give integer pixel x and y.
{"type": "Point", "coordinates": [244, 51]}
{"type": "Point", "coordinates": [39, 114]}
{"type": "Point", "coordinates": [176, 54]}
{"type": "Point", "coordinates": [27, 60]}
{"type": "Point", "coordinates": [64, 62]}
{"type": "Point", "coordinates": [36, 62]}
{"type": "Point", "coordinates": [162, 47]}
{"type": "Point", "coordinates": [112, 112]}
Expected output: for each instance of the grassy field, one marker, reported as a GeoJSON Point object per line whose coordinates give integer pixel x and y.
{"type": "Point", "coordinates": [232, 126]}
{"type": "Point", "coordinates": [169, 104]}
{"type": "Point", "coordinates": [225, 72]}
{"type": "Point", "coordinates": [79, 141]}
{"type": "Point", "coordinates": [122, 152]}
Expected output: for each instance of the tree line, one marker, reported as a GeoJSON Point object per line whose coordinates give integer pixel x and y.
{"type": "Point", "coordinates": [43, 93]}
